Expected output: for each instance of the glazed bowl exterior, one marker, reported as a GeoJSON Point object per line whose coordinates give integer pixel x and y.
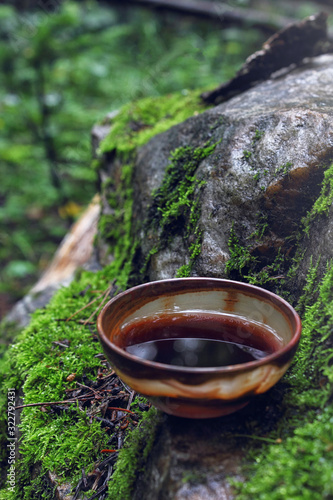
{"type": "Point", "coordinates": [196, 392]}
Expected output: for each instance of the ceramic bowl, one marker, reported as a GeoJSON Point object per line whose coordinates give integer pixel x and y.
{"type": "Point", "coordinates": [199, 392]}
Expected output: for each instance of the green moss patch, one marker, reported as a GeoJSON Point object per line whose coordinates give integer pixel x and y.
{"type": "Point", "coordinates": [133, 126]}
{"type": "Point", "coordinates": [50, 359]}
{"type": "Point", "coordinates": [323, 202]}
{"type": "Point", "coordinates": [39, 365]}
{"type": "Point", "coordinates": [174, 196]}
{"type": "Point", "coordinates": [138, 122]}
{"type": "Point", "coordinates": [115, 226]}
{"type": "Point", "coordinates": [295, 447]}
{"type": "Point", "coordinates": [299, 468]}
{"type": "Point", "coordinates": [175, 206]}
{"type": "Point", "coordinates": [240, 256]}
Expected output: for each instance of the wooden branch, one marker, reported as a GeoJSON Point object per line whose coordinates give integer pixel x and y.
{"type": "Point", "coordinates": [291, 45]}
{"type": "Point", "coordinates": [327, 3]}
{"type": "Point", "coordinates": [217, 11]}
{"type": "Point", "coordinates": [52, 403]}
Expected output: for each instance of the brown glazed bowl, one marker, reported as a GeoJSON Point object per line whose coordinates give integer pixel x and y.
{"type": "Point", "coordinates": [197, 392]}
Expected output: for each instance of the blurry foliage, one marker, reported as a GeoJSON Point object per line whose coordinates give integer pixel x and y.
{"type": "Point", "coordinates": [61, 71]}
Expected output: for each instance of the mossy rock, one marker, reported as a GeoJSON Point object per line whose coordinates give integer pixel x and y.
{"type": "Point", "coordinates": [243, 191]}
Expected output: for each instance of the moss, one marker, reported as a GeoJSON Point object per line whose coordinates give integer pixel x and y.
{"type": "Point", "coordinates": [319, 209]}
{"type": "Point", "coordinates": [138, 122]}
{"type": "Point", "coordinates": [247, 154]}
{"type": "Point", "coordinates": [184, 271]}
{"type": "Point", "coordinates": [8, 332]}
{"type": "Point", "coordinates": [261, 227]}
{"type": "Point", "coordinates": [299, 463]}
{"type": "Point", "coordinates": [323, 202]}
{"type": "Point", "coordinates": [244, 266]}
{"type": "Point", "coordinates": [39, 490]}
{"type": "Point", "coordinates": [133, 457]}
{"type": "Point", "coordinates": [300, 466]}
{"type": "Point", "coordinates": [311, 357]}
{"type": "Point", "coordinates": [297, 453]}
{"type": "Point", "coordinates": [39, 366]}
{"type": "Point", "coordinates": [175, 206]}
{"type": "Point", "coordinates": [177, 188]}
{"type": "Point", "coordinates": [310, 288]}
{"type": "Point", "coordinates": [271, 275]}
{"type": "Point", "coordinates": [240, 257]}
{"type": "Point", "coordinates": [284, 169]}
{"type": "Point", "coordinates": [67, 442]}
{"type": "Point", "coordinates": [64, 443]}
{"type": "Point", "coordinates": [283, 266]}
{"type": "Point", "coordinates": [115, 227]}
{"type": "Point", "coordinates": [257, 136]}
{"type": "Point", "coordinates": [194, 478]}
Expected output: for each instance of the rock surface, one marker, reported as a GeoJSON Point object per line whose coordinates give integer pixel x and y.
{"type": "Point", "coordinates": [273, 144]}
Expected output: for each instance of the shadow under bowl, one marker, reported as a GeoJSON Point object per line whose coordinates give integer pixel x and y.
{"type": "Point", "coordinates": [200, 392]}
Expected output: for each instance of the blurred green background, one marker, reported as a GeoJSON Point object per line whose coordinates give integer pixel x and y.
{"type": "Point", "coordinates": [64, 66]}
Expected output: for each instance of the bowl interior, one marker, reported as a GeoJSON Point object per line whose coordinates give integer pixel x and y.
{"type": "Point", "coordinates": [245, 304]}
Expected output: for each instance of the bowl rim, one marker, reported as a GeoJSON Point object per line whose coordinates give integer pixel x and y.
{"type": "Point", "coordinates": [271, 297]}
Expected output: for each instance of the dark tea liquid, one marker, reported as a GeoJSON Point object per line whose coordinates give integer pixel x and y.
{"type": "Point", "coordinates": [199, 340]}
